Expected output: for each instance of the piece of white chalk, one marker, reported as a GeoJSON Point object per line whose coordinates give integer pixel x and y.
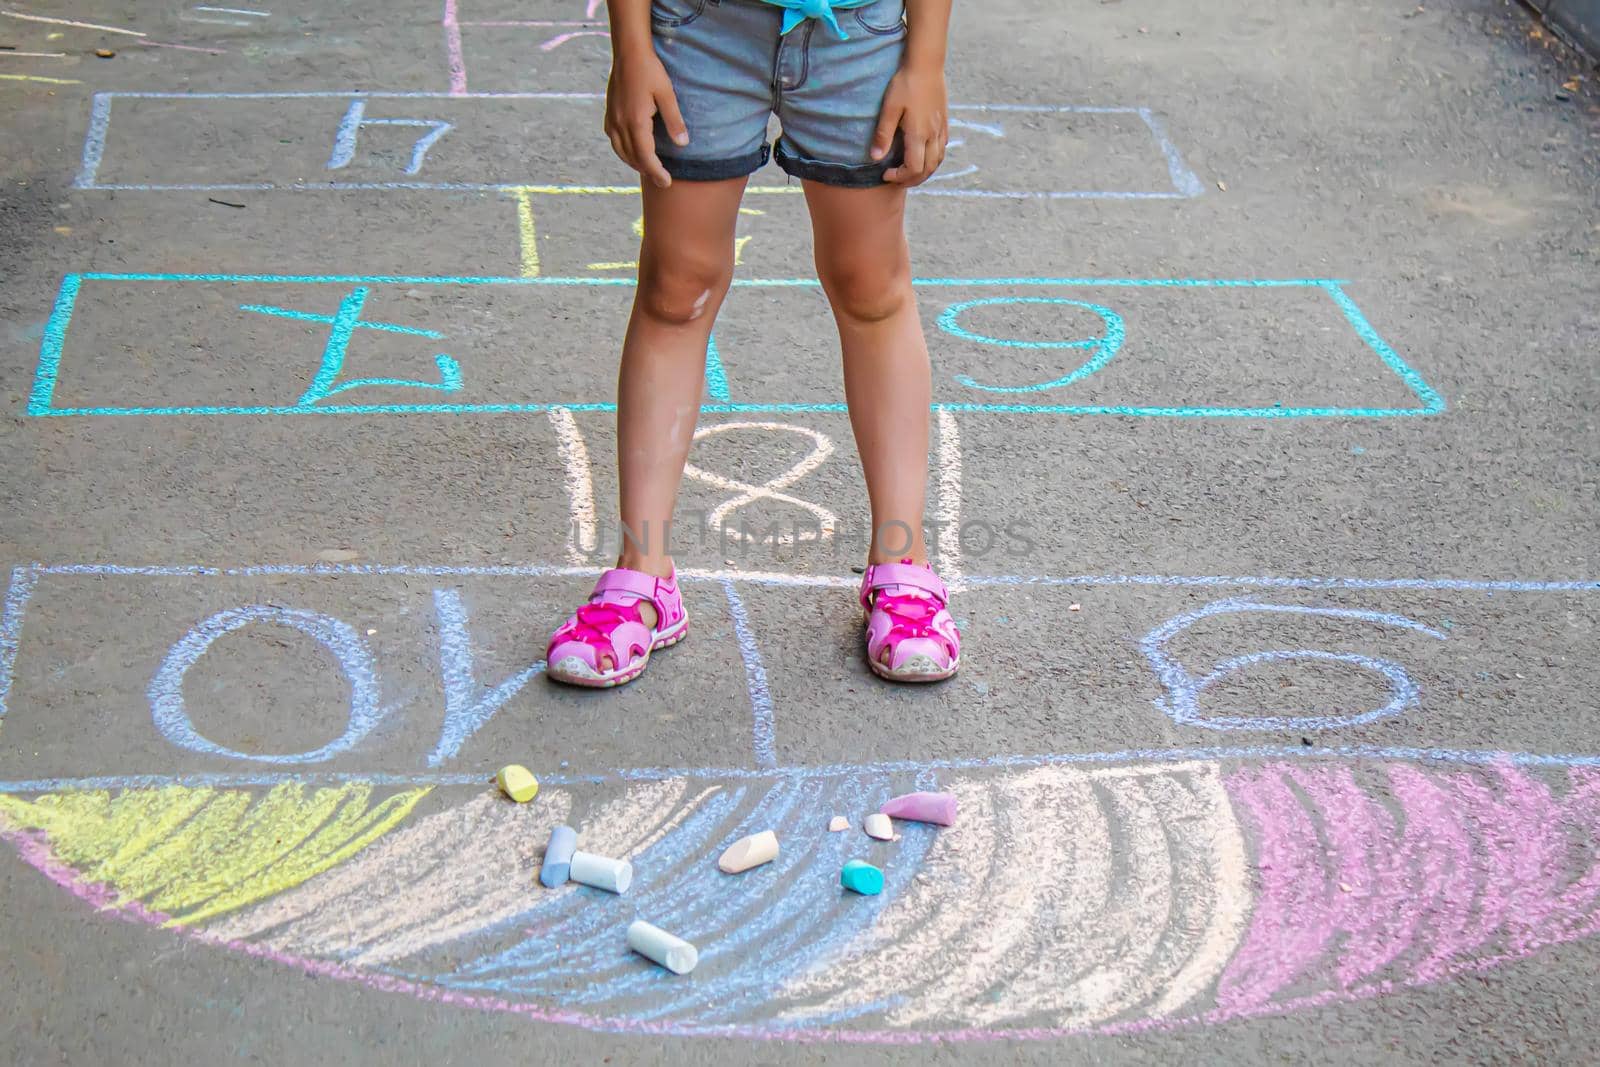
{"type": "Point", "coordinates": [837, 823]}
{"type": "Point", "coordinates": [749, 852]}
{"type": "Point", "coordinates": [557, 865]}
{"type": "Point", "coordinates": [654, 943]}
{"type": "Point", "coordinates": [602, 872]}
{"type": "Point", "coordinates": [878, 825]}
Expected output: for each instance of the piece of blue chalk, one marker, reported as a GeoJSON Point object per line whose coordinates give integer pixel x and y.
{"type": "Point", "coordinates": [862, 877]}
{"type": "Point", "coordinates": [558, 856]}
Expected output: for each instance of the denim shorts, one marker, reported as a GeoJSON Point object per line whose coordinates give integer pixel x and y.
{"type": "Point", "coordinates": [731, 69]}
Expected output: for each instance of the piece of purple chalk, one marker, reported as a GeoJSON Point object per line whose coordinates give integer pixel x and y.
{"type": "Point", "coordinates": [937, 808]}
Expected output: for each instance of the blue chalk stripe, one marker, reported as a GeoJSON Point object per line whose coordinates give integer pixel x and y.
{"type": "Point", "coordinates": [716, 376]}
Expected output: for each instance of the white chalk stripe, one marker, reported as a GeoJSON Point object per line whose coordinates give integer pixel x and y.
{"type": "Point", "coordinates": [1018, 913]}
{"type": "Point", "coordinates": [397, 853]}
{"type": "Point", "coordinates": [618, 827]}
{"type": "Point", "coordinates": [949, 509]}
{"type": "Point", "coordinates": [486, 882]}
{"type": "Point", "coordinates": [412, 888]}
{"type": "Point", "coordinates": [671, 824]}
{"type": "Point", "coordinates": [1151, 770]}
{"type": "Point", "coordinates": [1217, 901]}
{"type": "Point", "coordinates": [584, 529]}
{"type": "Point", "coordinates": [1116, 955]}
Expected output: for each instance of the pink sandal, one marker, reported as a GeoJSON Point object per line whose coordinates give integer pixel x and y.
{"type": "Point", "coordinates": [611, 624]}
{"type": "Point", "coordinates": [907, 614]}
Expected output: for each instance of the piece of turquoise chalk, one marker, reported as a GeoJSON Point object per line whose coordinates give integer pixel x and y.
{"type": "Point", "coordinates": [558, 856]}
{"type": "Point", "coordinates": [938, 808]}
{"type": "Point", "coordinates": [861, 877]}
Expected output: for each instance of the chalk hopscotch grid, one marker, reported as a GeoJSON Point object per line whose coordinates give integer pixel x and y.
{"type": "Point", "coordinates": [41, 396]}
{"type": "Point", "coordinates": [25, 580]}
{"type": "Point", "coordinates": [1185, 183]}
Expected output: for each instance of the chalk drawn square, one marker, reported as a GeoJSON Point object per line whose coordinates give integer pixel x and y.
{"type": "Point", "coordinates": [1403, 668]}
{"type": "Point", "coordinates": [362, 346]}
{"type": "Point", "coordinates": [392, 344]}
{"type": "Point", "coordinates": [546, 142]}
{"type": "Point", "coordinates": [277, 664]}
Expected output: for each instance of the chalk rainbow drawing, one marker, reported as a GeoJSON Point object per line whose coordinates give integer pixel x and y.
{"type": "Point", "coordinates": [1078, 893]}
{"type": "Point", "coordinates": [1066, 900]}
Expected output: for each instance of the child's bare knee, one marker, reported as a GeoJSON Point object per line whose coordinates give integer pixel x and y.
{"type": "Point", "coordinates": [679, 291]}
{"type": "Point", "coordinates": [867, 293]}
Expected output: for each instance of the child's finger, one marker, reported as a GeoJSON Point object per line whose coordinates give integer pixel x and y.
{"type": "Point", "coordinates": [883, 137]}
{"type": "Point", "coordinates": [672, 118]}
{"type": "Point", "coordinates": [618, 146]}
{"type": "Point", "coordinates": [622, 142]}
{"type": "Point", "coordinates": [912, 172]}
{"type": "Point", "coordinates": [645, 160]}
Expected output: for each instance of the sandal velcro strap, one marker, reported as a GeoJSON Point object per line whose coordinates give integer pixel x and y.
{"type": "Point", "coordinates": [622, 580]}
{"type": "Point", "coordinates": [637, 584]}
{"type": "Point", "coordinates": [886, 577]}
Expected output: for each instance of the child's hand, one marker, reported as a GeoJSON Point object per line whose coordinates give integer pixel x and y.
{"type": "Point", "coordinates": [916, 105]}
{"type": "Point", "coordinates": [639, 90]}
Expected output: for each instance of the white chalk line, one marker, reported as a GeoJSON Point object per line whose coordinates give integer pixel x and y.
{"type": "Point", "coordinates": [584, 528]}
{"type": "Point", "coordinates": [1227, 881]}
{"type": "Point", "coordinates": [71, 22]}
{"type": "Point", "coordinates": [415, 887]}
{"type": "Point", "coordinates": [671, 824]}
{"type": "Point", "coordinates": [949, 510]}
{"type": "Point", "coordinates": [822, 449]}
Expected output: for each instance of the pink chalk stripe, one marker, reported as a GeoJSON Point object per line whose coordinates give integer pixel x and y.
{"type": "Point", "coordinates": [556, 42]}
{"type": "Point", "coordinates": [35, 851]}
{"type": "Point", "coordinates": [1371, 900]}
{"type": "Point", "coordinates": [1447, 890]}
{"type": "Point", "coordinates": [1289, 926]}
{"type": "Point", "coordinates": [453, 54]}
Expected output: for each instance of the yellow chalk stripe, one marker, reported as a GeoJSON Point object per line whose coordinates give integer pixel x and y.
{"type": "Point", "coordinates": [528, 235]}
{"type": "Point", "coordinates": [150, 817]}
{"type": "Point", "coordinates": [38, 78]}
{"type": "Point", "coordinates": [196, 853]}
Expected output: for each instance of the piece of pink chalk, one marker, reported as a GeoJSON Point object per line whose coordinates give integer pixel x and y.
{"type": "Point", "coordinates": [937, 808]}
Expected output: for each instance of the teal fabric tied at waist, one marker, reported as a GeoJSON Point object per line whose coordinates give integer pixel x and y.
{"type": "Point", "coordinates": [797, 11]}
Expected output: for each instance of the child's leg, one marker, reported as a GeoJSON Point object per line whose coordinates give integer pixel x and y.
{"type": "Point", "coordinates": [685, 267]}
{"type": "Point", "coordinates": [865, 269]}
